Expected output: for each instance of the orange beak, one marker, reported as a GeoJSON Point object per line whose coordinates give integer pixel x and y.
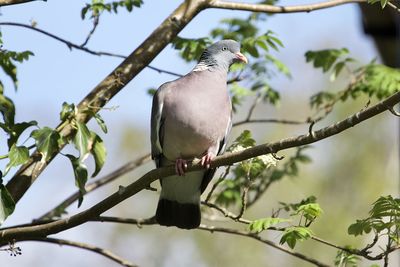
{"type": "Point", "coordinates": [241, 57]}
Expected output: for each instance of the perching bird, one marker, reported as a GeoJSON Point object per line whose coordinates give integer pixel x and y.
{"type": "Point", "coordinates": [191, 118]}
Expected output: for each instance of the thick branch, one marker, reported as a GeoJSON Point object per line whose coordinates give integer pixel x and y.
{"type": "Point", "coordinates": [15, 2]}
{"type": "Point", "coordinates": [130, 166]}
{"type": "Point", "coordinates": [227, 159]}
{"type": "Point", "coordinates": [98, 250]}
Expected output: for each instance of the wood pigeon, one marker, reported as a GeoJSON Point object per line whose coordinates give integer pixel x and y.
{"type": "Point", "coordinates": [191, 118]}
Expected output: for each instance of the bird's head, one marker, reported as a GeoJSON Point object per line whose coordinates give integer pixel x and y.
{"type": "Point", "coordinates": [222, 54]}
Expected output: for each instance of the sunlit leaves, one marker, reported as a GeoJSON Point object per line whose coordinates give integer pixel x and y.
{"type": "Point", "coordinates": [383, 217]}
{"type": "Point", "coordinates": [82, 140]}
{"type": "Point", "coordinates": [294, 234]}
{"type": "Point", "coordinates": [8, 60]}
{"type": "Point", "coordinates": [47, 141]}
{"type": "Point", "coordinates": [96, 7]}
{"type": "Point", "coordinates": [67, 111]}
{"type": "Point", "coordinates": [17, 156]}
{"type": "Point", "coordinates": [260, 225]}
{"type": "Point", "coordinates": [376, 80]}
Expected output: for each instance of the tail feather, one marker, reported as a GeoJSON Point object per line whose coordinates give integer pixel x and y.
{"type": "Point", "coordinates": [172, 213]}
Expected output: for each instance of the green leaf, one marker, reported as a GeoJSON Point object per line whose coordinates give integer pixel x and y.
{"type": "Point", "coordinates": [99, 153]}
{"type": "Point", "coordinates": [7, 204]}
{"type": "Point", "coordinates": [81, 175]}
{"type": "Point", "coordinates": [293, 234]}
{"type": "Point", "coordinates": [325, 58]}
{"type": "Point", "coordinates": [262, 224]}
{"type": "Point", "coordinates": [360, 227]}
{"type": "Point", "coordinates": [190, 49]}
{"type": "Point", "coordinates": [66, 111]}
{"type": "Point", "coordinates": [310, 210]}
{"type": "Point", "coordinates": [82, 140]}
{"type": "Point", "coordinates": [8, 60]}
{"type": "Point", "coordinates": [7, 109]}
{"type": "Point", "coordinates": [17, 156]}
{"type": "Point", "coordinates": [100, 122]}
{"type": "Point", "coordinates": [16, 130]}
{"type": "Point", "coordinates": [47, 142]}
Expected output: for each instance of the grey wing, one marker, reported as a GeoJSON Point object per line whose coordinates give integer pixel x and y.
{"type": "Point", "coordinates": [208, 175]}
{"type": "Point", "coordinates": [157, 126]}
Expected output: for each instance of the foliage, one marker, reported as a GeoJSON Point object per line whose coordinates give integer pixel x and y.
{"type": "Point", "coordinates": [292, 232]}
{"type": "Point", "coordinates": [345, 259]}
{"type": "Point", "coordinates": [96, 7]}
{"type": "Point", "coordinates": [47, 143]}
{"type": "Point", "coordinates": [384, 219]}
{"type": "Point", "coordinates": [371, 80]}
{"type": "Point", "coordinates": [382, 2]}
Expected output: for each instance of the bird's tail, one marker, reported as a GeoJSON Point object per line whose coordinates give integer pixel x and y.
{"type": "Point", "coordinates": [179, 203]}
{"type": "Point", "coordinates": [172, 213]}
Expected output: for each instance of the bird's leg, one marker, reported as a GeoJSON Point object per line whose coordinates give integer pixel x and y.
{"type": "Point", "coordinates": [206, 159]}
{"type": "Point", "coordinates": [180, 166]}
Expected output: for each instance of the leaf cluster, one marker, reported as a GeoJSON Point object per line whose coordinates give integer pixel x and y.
{"type": "Point", "coordinates": [384, 218]}
{"type": "Point", "coordinates": [255, 175]}
{"type": "Point", "coordinates": [291, 232]}
{"type": "Point", "coordinates": [96, 7]}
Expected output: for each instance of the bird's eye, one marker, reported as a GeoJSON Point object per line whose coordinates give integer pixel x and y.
{"type": "Point", "coordinates": [224, 48]}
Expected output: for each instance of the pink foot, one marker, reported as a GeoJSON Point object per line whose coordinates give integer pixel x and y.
{"type": "Point", "coordinates": [180, 167]}
{"type": "Point", "coordinates": [206, 160]}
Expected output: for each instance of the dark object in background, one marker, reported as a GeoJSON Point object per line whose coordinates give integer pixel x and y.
{"type": "Point", "coordinates": [384, 29]}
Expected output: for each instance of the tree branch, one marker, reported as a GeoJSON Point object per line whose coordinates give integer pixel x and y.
{"type": "Point", "coordinates": [130, 166]}
{"type": "Point", "coordinates": [213, 229]}
{"type": "Point", "coordinates": [98, 250]}
{"type": "Point", "coordinates": [123, 193]}
{"type": "Point", "coordinates": [279, 9]}
{"type": "Point", "coordinates": [15, 2]}
{"type": "Point", "coordinates": [82, 47]}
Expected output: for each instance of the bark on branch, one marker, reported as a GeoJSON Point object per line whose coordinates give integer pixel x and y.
{"type": "Point", "coordinates": [123, 193]}
{"type": "Point", "coordinates": [15, 2]}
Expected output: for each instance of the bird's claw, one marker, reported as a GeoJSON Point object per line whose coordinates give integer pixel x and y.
{"type": "Point", "coordinates": [206, 160]}
{"type": "Point", "coordinates": [180, 167]}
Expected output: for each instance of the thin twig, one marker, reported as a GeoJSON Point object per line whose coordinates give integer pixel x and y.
{"type": "Point", "coordinates": [96, 20]}
{"type": "Point", "coordinates": [106, 253]}
{"type": "Point", "coordinates": [82, 47]}
{"type": "Point", "coordinates": [226, 213]}
{"type": "Point", "coordinates": [215, 185]}
{"type": "Point", "coordinates": [393, 6]}
{"type": "Point", "coordinates": [293, 122]}
{"type": "Point", "coordinates": [298, 255]}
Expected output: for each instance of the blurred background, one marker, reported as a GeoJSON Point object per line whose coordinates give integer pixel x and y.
{"type": "Point", "coordinates": [348, 171]}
